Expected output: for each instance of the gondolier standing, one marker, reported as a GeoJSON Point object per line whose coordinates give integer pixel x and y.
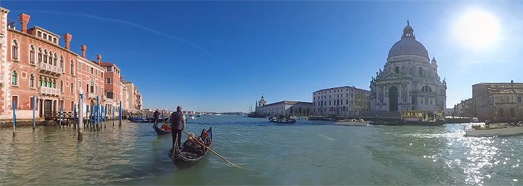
{"type": "Point", "coordinates": [156, 116]}
{"type": "Point", "coordinates": [177, 121]}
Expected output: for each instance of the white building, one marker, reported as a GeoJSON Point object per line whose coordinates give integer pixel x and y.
{"type": "Point", "coordinates": [340, 101]}
{"type": "Point", "coordinates": [284, 108]}
{"type": "Point", "coordinates": [409, 80]}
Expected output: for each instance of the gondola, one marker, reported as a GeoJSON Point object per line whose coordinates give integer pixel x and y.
{"type": "Point", "coordinates": [185, 159]}
{"type": "Point", "coordinates": [160, 131]}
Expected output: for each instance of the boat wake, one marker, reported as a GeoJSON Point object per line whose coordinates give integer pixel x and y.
{"type": "Point", "coordinates": [321, 135]}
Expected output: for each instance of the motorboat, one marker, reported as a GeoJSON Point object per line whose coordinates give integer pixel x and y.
{"type": "Point", "coordinates": [494, 129]}
{"type": "Point", "coordinates": [352, 122]}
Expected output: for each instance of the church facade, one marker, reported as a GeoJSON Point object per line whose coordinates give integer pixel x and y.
{"type": "Point", "coordinates": [409, 79]}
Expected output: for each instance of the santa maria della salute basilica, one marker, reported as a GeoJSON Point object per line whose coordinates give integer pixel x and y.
{"type": "Point", "coordinates": [409, 80]}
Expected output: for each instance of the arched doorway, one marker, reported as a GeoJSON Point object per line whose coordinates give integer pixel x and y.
{"type": "Point", "coordinates": [393, 99]}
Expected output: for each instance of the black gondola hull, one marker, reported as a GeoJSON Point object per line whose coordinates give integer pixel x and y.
{"type": "Point", "coordinates": [185, 160]}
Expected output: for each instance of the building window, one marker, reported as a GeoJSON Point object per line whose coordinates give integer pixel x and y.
{"type": "Point", "coordinates": [79, 65]}
{"type": "Point", "coordinates": [32, 54]}
{"type": "Point", "coordinates": [397, 70]}
{"type": "Point", "coordinates": [39, 55]}
{"type": "Point", "coordinates": [45, 56]}
{"type": "Point", "coordinates": [62, 63]}
{"type": "Point", "coordinates": [55, 59]}
{"type": "Point", "coordinates": [39, 34]}
{"type": "Point", "coordinates": [54, 41]}
{"type": "Point", "coordinates": [420, 71]}
{"type": "Point", "coordinates": [50, 58]}
{"type": "Point", "coordinates": [14, 100]}
{"type": "Point", "coordinates": [14, 78]}
{"type": "Point", "coordinates": [14, 50]}
{"type": "Point", "coordinates": [108, 80]}
{"type": "Point", "coordinates": [61, 86]}
{"type": "Point", "coordinates": [72, 105]}
{"type": "Point", "coordinates": [72, 67]}
{"type": "Point", "coordinates": [32, 81]}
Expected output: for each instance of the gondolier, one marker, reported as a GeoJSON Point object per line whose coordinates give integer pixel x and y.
{"type": "Point", "coordinates": [156, 116]}
{"type": "Point", "coordinates": [177, 121]}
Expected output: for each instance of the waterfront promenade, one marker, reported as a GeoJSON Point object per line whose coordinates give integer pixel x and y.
{"type": "Point", "coordinates": [308, 152]}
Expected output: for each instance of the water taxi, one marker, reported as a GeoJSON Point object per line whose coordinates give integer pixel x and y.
{"type": "Point", "coordinates": [422, 118]}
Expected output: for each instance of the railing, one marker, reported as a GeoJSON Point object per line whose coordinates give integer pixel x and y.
{"type": "Point", "coordinates": [49, 91]}
{"type": "Point", "coordinates": [92, 95]}
{"type": "Point", "coordinates": [50, 68]}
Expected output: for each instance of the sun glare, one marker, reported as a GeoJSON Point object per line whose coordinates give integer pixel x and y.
{"type": "Point", "coordinates": [477, 30]}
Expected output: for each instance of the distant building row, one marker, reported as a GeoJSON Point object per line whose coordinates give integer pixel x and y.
{"type": "Point", "coordinates": [493, 101]}
{"type": "Point", "coordinates": [32, 63]}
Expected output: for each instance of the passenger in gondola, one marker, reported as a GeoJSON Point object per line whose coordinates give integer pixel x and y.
{"type": "Point", "coordinates": [204, 138]}
{"type": "Point", "coordinates": [191, 145]}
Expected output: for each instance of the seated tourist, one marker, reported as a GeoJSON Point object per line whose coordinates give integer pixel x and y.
{"type": "Point", "coordinates": [191, 145]}
{"type": "Point", "coordinates": [165, 127]}
{"type": "Point", "coordinates": [204, 137]}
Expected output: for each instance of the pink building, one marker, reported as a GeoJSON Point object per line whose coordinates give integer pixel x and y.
{"type": "Point", "coordinates": [32, 63]}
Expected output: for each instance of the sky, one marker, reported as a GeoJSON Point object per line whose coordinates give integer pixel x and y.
{"type": "Point", "coordinates": [224, 55]}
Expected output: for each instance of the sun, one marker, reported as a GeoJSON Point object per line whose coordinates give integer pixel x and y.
{"type": "Point", "coordinates": [477, 30]}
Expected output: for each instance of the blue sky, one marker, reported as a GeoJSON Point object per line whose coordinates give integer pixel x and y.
{"type": "Point", "coordinates": [222, 56]}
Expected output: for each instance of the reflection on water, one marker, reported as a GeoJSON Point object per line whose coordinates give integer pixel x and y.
{"type": "Point", "coordinates": [318, 153]}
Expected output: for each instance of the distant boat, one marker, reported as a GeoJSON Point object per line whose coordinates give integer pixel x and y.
{"type": "Point", "coordinates": [352, 122]}
{"type": "Point", "coordinates": [191, 117]}
{"type": "Point", "coordinates": [161, 131]}
{"type": "Point", "coordinates": [255, 115]}
{"type": "Point", "coordinates": [282, 120]}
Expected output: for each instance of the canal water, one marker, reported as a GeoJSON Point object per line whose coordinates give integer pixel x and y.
{"type": "Point", "coordinates": [305, 153]}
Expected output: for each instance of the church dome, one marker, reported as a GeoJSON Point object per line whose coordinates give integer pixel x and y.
{"type": "Point", "coordinates": [408, 45]}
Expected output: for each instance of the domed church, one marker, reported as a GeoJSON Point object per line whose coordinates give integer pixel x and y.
{"type": "Point", "coordinates": [409, 80]}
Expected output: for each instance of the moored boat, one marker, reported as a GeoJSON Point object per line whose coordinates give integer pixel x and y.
{"type": "Point", "coordinates": [255, 115]}
{"type": "Point", "coordinates": [352, 122]}
{"type": "Point", "coordinates": [184, 158]}
{"type": "Point", "coordinates": [494, 129]}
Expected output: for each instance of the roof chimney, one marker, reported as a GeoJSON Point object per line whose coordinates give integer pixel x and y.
{"type": "Point", "coordinates": [67, 39]}
{"type": "Point", "coordinates": [83, 47]}
{"type": "Point", "coordinates": [24, 19]}
{"type": "Point", "coordinates": [99, 57]}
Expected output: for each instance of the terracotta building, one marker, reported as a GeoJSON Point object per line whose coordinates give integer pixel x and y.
{"type": "Point", "coordinates": [497, 101]}
{"type": "Point", "coordinates": [32, 63]}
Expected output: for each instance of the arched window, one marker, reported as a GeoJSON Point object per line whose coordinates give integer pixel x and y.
{"type": "Point", "coordinates": [53, 85]}
{"type": "Point", "coordinates": [420, 71]}
{"type": "Point", "coordinates": [397, 70]}
{"type": "Point", "coordinates": [45, 56]}
{"type": "Point", "coordinates": [32, 54]}
{"type": "Point", "coordinates": [72, 67]}
{"type": "Point", "coordinates": [31, 81]}
{"type": "Point", "coordinates": [72, 88]}
{"type": "Point", "coordinates": [40, 55]}
{"type": "Point", "coordinates": [14, 50]}
{"type": "Point", "coordinates": [62, 63]}
{"type": "Point", "coordinates": [40, 81]}
{"type": "Point", "coordinates": [55, 59]}
{"type": "Point", "coordinates": [45, 82]}
{"type": "Point", "coordinates": [61, 86]}
{"type": "Point", "coordinates": [14, 78]}
{"type": "Point", "coordinates": [50, 58]}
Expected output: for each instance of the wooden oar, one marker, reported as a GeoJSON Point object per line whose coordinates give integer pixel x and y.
{"type": "Point", "coordinates": [215, 153]}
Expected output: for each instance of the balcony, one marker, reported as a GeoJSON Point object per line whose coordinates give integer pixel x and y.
{"type": "Point", "coordinates": [46, 91]}
{"type": "Point", "coordinates": [92, 95]}
{"type": "Point", "coordinates": [49, 69]}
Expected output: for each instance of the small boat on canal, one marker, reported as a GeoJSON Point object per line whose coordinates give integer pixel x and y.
{"type": "Point", "coordinates": [184, 158]}
{"type": "Point", "coordinates": [494, 129]}
{"type": "Point", "coordinates": [352, 122]}
{"type": "Point", "coordinates": [147, 120]}
{"type": "Point", "coordinates": [282, 120]}
{"type": "Point", "coordinates": [162, 130]}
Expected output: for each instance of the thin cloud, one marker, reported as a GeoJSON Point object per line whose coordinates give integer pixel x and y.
{"type": "Point", "coordinates": [122, 22]}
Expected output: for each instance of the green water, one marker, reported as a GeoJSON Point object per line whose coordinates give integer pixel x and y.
{"type": "Point", "coordinates": [305, 153]}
